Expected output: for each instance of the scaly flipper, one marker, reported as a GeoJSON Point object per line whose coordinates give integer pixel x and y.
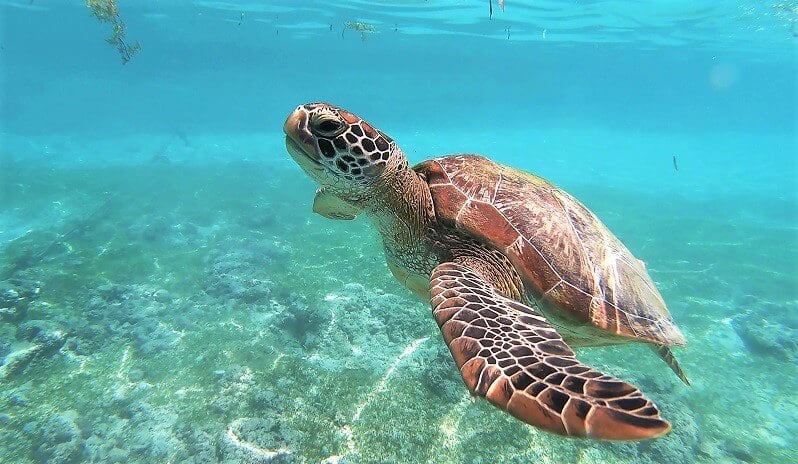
{"type": "Point", "coordinates": [509, 354]}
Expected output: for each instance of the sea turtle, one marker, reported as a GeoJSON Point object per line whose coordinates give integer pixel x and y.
{"type": "Point", "coordinates": [513, 267]}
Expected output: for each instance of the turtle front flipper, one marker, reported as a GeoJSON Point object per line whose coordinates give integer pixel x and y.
{"type": "Point", "coordinates": [332, 207]}
{"type": "Point", "coordinates": [509, 354]}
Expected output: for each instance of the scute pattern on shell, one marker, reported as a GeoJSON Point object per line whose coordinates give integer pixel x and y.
{"type": "Point", "coordinates": [566, 257]}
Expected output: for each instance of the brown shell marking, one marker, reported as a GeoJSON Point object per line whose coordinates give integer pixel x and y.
{"type": "Point", "coordinates": [566, 257]}
{"type": "Point", "coordinates": [510, 355]}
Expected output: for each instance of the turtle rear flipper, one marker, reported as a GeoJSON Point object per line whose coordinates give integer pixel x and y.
{"type": "Point", "coordinates": [509, 354]}
{"type": "Point", "coordinates": [664, 352]}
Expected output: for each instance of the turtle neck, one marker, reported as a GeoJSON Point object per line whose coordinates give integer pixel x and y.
{"type": "Point", "coordinates": [400, 205]}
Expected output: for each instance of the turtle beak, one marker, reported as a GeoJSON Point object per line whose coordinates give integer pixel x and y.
{"type": "Point", "coordinates": [300, 144]}
{"type": "Point", "coordinates": [296, 121]}
{"type": "Point", "coordinates": [298, 136]}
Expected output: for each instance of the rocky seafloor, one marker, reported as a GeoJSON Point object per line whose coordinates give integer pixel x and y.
{"type": "Point", "coordinates": [202, 314]}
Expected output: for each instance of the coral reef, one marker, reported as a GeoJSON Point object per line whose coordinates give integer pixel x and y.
{"type": "Point", "coordinates": [254, 440]}
{"type": "Point", "coordinates": [130, 312]}
{"type": "Point", "coordinates": [15, 296]}
{"type": "Point", "coordinates": [773, 335]}
{"type": "Point", "coordinates": [58, 439]}
{"type": "Point", "coordinates": [190, 331]}
{"type": "Point", "coordinates": [235, 275]}
{"type": "Point", "coordinates": [42, 341]}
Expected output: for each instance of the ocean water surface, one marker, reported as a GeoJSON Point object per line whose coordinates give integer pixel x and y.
{"type": "Point", "coordinates": [167, 295]}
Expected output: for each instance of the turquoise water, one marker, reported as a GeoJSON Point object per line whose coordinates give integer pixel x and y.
{"type": "Point", "coordinates": [167, 294]}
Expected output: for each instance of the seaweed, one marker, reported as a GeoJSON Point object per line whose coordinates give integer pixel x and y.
{"type": "Point", "coordinates": [361, 27]}
{"type": "Point", "coordinates": [107, 11]}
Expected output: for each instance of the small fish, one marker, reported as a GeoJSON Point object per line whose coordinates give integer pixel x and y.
{"type": "Point", "coordinates": [675, 166]}
{"type": "Point", "coordinates": [490, 9]}
{"type": "Point", "coordinates": [501, 4]}
{"type": "Point", "coordinates": [241, 19]}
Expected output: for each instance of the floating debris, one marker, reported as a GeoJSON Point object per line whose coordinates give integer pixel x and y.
{"type": "Point", "coordinates": [361, 27]}
{"type": "Point", "coordinates": [107, 11]}
{"type": "Point", "coordinates": [675, 166]}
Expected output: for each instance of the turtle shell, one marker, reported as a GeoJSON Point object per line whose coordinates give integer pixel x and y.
{"type": "Point", "coordinates": [573, 268]}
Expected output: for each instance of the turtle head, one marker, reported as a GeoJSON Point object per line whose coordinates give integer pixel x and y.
{"type": "Point", "coordinates": [338, 149]}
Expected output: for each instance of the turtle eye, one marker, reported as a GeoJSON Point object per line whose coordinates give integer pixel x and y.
{"type": "Point", "coordinates": [326, 126]}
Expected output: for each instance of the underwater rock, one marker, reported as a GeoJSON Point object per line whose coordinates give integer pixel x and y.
{"type": "Point", "coordinates": [351, 331]}
{"type": "Point", "coordinates": [5, 344]}
{"type": "Point", "coordinates": [260, 218]}
{"type": "Point", "coordinates": [44, 344]}
{"type": "Point", "coordinates": [162, 296]}
{"type": "Point", "coordinates": [133, 312]}
{"type": "Point", "coordinates": [775, 335]}
{"type": "Point", "coordinates": [386, 310]}
{"type": "Point", "coordinates": [254, 440]}
{"type": "Point", "coordinates": [90, 337]}
{"type": "Point", "coordinates": [116, 455]}
{"type": "Point", "coordinates": [680, 445]}
{"type": "Point", "coordinates": [19, 397]}
{"type": "Point", "coordinates": [201, 444]}
{"type": "Point", "coordinates": [112, 292]}
{"type": "Point", "coordinates": [169, 230]}
{"type": "Point", "coordinates": [96, 448]}
{"type": "Point", "coordinates": [238, 275]}
{"type": "Point", "coordinates": [153, 433]}
{"type": "Point", "coordinates": [301, 321]}
{"type": "Point", "coordinates": [30, 330]}
{"type": "Point", "coordinates": [238, 391]}
{"type": "Point", "coordinates": [440, 375]}
{"type": "Point", "coordinates": [15, 296]}
{"type": "Point", "coordinates": [738, 451]}
{"type": "Point", "coordinates": [135, 375]}
{"type": "Point", "coordinates": [262, 399]}
{"type": "Point", "coordinates": [59, 439]}
{"type": "Point", "coordinates": [157, 229]}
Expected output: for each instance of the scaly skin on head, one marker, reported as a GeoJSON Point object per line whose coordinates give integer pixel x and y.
{"type": "Point", "coordinates": [362, 166]}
